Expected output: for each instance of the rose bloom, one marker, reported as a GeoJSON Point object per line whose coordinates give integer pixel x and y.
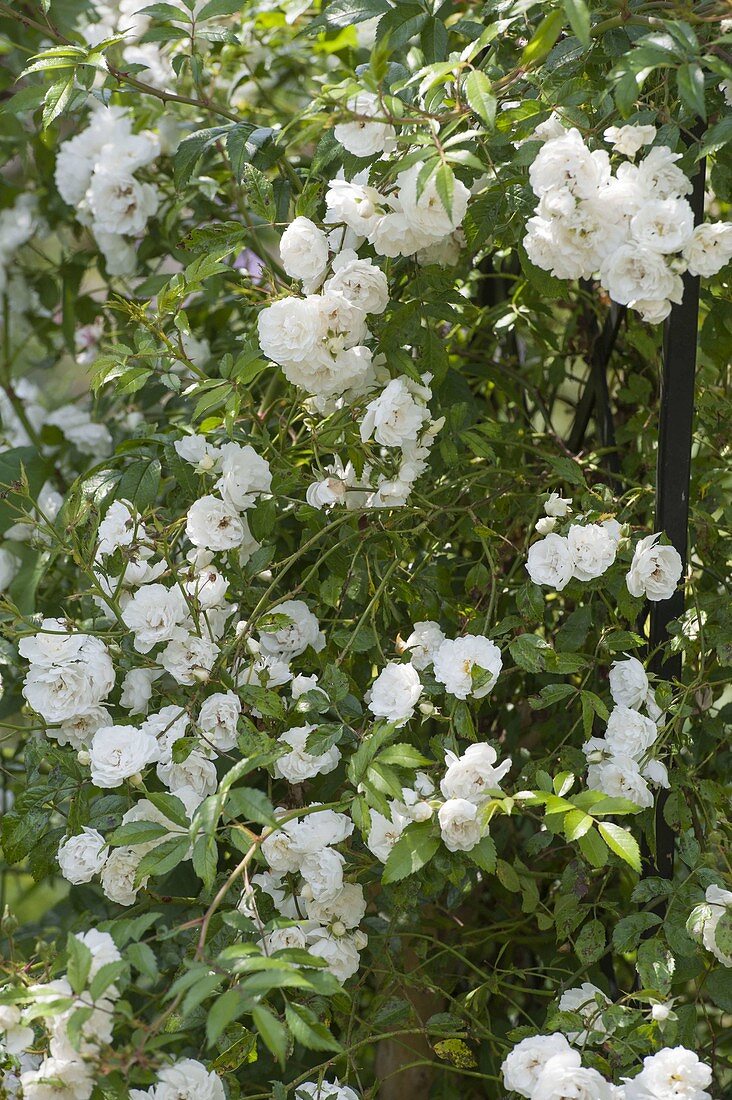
{"type": "Point", "coordinates": [710, 249]}
{"type": "Point", "coordinates": [550, 562]}
{"type": "Point", "coordinates": [457, 658]}
{"type": "Point", "coordinates": [119, 752]}
{"type": "Point", "coordinates": [629, 139]}
{"type": "Point", "coordinates": [348, 907]}
{"type": "Point", "coordinates": [361, 136]}
{"type": "Point", "coordinates": [395, 693]}
{"type": "Point", "coordinates": [360, 281]}
{"type": "Point", "coordinates": [218, 719]}
{"type": "Point", "coordinates": [472, 776]}
{"type": "Point", "coordinates": [394, 417]}
{"type": "Point", "coordinates": [385, 833]}
{"type": "Point", "coordinates": [118, 876]}
{"type": "Point", "coordinates": [291, 329]}
{"type": "Point", "coordinates": [65, 691]}
{"type": "Point", "coordinates": [325, 1090]}
{"type": "Point", "coordinates": [620, 777]}
{"type": "Point", "coordinates": [153, 615]}
{"type": "Point", "coordinates": [566, 162]}
{"type": "Point", "coordinates": [655, 570]}
{"type": "Point", "coordinates": [427, 214]}
{"type": "Point", "coordinates": [214, 525]}
{"type": "Point", "coordinates": [459, 824]}
{"type": "Point", "coordinates": [629, 683]}
{"type": "Point", "coordinates": [58, 1079]}
{"type": "Point", "coordinates": [560, 1079]}
{"type": "Point", "coordinates": [298, 765]}
{"type": "Point", "coordinates": [583, 1000]}
{"type": "Point", "coordinates": [103, 950]}
{"type": "Point", "coordinates": [245, 475]}
{"type": "Point", "coordinates": [340, 952]}
{"type": "Point", "coordinates": [674, 1073]}
{"type": "Point", "coordinates": [304, 250]}
{"type": "Point", "coordinates": [323, 874]}
{"type": "Point", "coordinates": [119, 203]}
{"type": "Point", "coordinates": [188, 1079]}
{"type": "Point", "coordinates": [82, 856]}
{"type": "Point", "coordinates": [423, 643]}
{"type": "Point", "coordinates": [593, 550]}
{"type": "Point", "coordinates": [663, 225]}
{"type": "Point", "coordinates": [302, 630]}
{"type": "Point", "coordinates": [629, 733]}
{"type": "Point", "coordinates": [704, 918]}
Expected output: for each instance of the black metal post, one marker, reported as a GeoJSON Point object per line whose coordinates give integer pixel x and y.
{"type": "Point", "coordinates": [673, 474]}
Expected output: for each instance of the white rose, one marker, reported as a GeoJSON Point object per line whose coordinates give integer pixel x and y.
{"type": "Point", "coordinates": [218, 719]}
{"type": "Point", "coordinates": [394, 417]}
{"type": "Point", "coordinates": [592, 548]}
{"type": "Point", "coordinates": [280, 852]}
{"type": "Point", "coordinates": [655, 570]}
{"type": "Point", "coordinates": [14, 1037]}
{"type": "Point", "coordinates": [79, 730]}
{"type": "Point", "coordinates": [348, 907]}
{"type": "Point", "coordinates": [59, 692]}
{"type": "Point", "coordinates": [458, 659]}
{"type": "Point", "coordinates": [459, 824]}
{"type": "Point", "coordinates": [550, 562]}
{"type": "Point", "coordinates": [301, 631]}
{"type": "Point", "coordinates": [704, 918]}
{"type": "Point", "coordinates": [394, 693]}
{"type": "Point", "coordinates": [521, 1068]}
{"type": "Point", "coordinates": [628, 683]}
{"type": "Point", "coordinates": [118, 876]}
{"type": "Point", "coordinates": [167, 726]}
{"type": "Point", "coordinates": [672, 1073]}
{"type": "Point", "coordinates": [360, 281]}
{"type": "Point", "coordinates": [82, 856]}
{"type": "Point", "coordinates": [118, 528]}
{"type": "Point", "coordinates": [119, 752]}
{"type": "Point", "coordinates": [304, 251]}
{"type": "Point", "coordinates": [472, 776]}
{"type": "Point", "coordinates": [283, 938]}
{"type": "Point", "coordinates": [54, 644]}
{"type": "Point", "coordinates": [620, 777]}
{"type": "Point", "coordinates": [632, 272]}
{"type": "Point", "coordinates": [385, 833]}
{"type": "Point", "coordinates": [58, 1079]}
{"type": "Point", "coordinates": [710, 249]}
{"type": "Point", "coordinates": [245, 475]}
{"type": "Point", "coordinates": [188, 1079]}
{"type": "Point", "coordinates": [325, 1090]}
{"type": "Point", "coordinates": [423, 643]}
{"type": "Point", "coordinates": [298, 765]}
{"type": "Point", "coordinates": [323, 874]}
{"type": "Point", "coordinates": [119, 203]}
{"type": "Point", "coordinates": [559, 1079]}
{"type": "Point", "coordinates": [566, 162]}
{"type": "Point", "coordinates": [340, 952]}
{"type": "Point", "coordinates": [153, 615]}
{"type": "Point", "coordinates": [656, 773]}
{"type": "Point", "coordinates": [353, 204]}
{"type": "Point", "coordinates": [663, 225]}
{"type": "Point", "coordinates": [629, 139]}
{"type": "Point", "coordinates": [196, 775]}
{"type": "Point", "coordinates": [659, 176]}
{"type": "Point", "coordinates": [214, 524]}
{"type": "Point", "coordinates": [189, 660]}
{"type": "Point", "coordinates": [137, 689]}
{"type": "Point", "coordinates": [427, 214]}
{"type": "Point", "coordinates": [291, 330]}
{"type": "Point", "coordinates": [557, 506]}
{"type": "Point", "coordinates": [361, 136]}
{"type": "Point", "coordinates": [318, 830]}
{"type": "Point", "coordinates": [103, 951]}
{"type": "Point", "coordinates": [198, 451]}
{"type": "Point", "coordinates": [583, 1000]}
{"type": "Point", "coordinates": [629, 733]}
{"type": "Point", "coordinates": [393, 235]}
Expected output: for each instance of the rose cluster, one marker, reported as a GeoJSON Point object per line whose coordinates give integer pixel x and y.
{"type": "Point", "coordinates": [631, 228]}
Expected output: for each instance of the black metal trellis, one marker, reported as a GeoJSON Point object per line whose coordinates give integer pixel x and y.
{"type": "Point", "coordinates": [673, 475]}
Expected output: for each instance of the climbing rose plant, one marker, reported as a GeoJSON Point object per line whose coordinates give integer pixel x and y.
{"type": "Point", "coordinates": [334, 757]}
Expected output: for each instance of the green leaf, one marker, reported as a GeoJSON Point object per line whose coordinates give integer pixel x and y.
{"type": "Point", "coordinates": [163, 858]}
{"type": "Point", "coordinates": [56, 99]}
{"type": "Point", "coordinates": [723, 933]}
{"type": "Point", "coordinates": [140, 483]}
{"type": "Point", "coordinates": [690, 82]}
{"type": "Point", "coordinates": [271, 1031]}
{"type": "Point", "coordinates": [205, 860]}
{"type": "Point", "coordinates": [227, 1007]}
{"type": "Point", "coordinates": [308, 1030]}
{"type": "Point", "coordinates": [628, 931]}
{"type": "Point", "coordinates": [249, 804]}
{"type": "Point", "coordinates": [347, 13]}
{"type": "Point", "coordinates": [529, 652]}
{"type": "Point", "coordinates": [655, 965]}
{"type": "Point", "coordinates": [590, 944]}
{"type": "Point", "coordinates": [445, 184]}
{"type": "Point", "coordinates": [593, 848]}
{"type": "Point", "coordinates": [259, 193]}
{"type": "Point", "coordinates": [546, 35]}
{"type": "Point", "coordinates": [78, 964]}
{"type": "Point", "coordinates": [484, 854]}
{"type": "Point", "coordinates": [579, 20]}
{"type": "Point", "coordinates": [137, 832]}
{"type": "Point", "coordinates": [576, 824]}
{"type": "Point", "coordinates": [621, 842]}
{"type": "Point", "coordinates": [22, 469]}
{"type": "Point", "coordinates": [719, 987]}
{"type": "Point", "coordinates": [171, 806]}
{"type": "Point", "coordinates": [481, 99]}
{"type": "Point", "coordinates": [415, 847]}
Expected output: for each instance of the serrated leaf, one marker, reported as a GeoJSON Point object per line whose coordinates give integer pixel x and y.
{"type": "Point", "coordinates": [480, 96]}
{"type": "Point", "coordinates": [621, 842]}
{"type": "Point", "coordinates": [308, 1030]}
{"type": "Point", "coordinates": [415, 847]}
